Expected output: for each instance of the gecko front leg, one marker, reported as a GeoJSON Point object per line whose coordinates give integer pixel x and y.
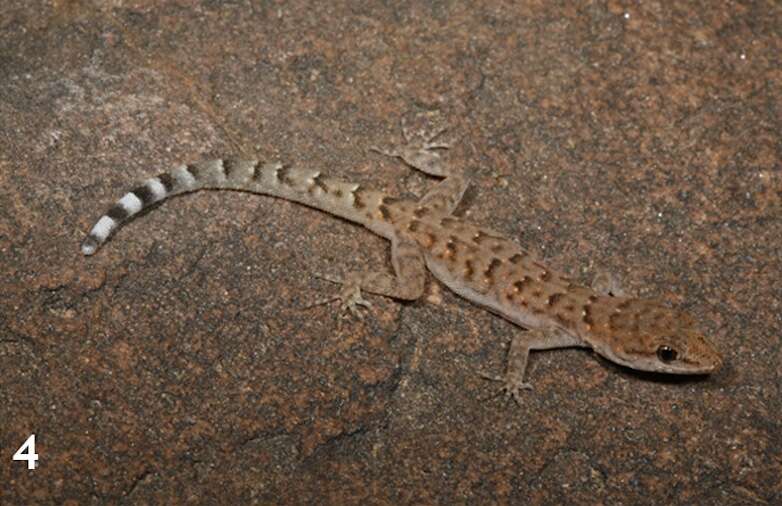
{"type": "Point", "coordinates": [512, 382]}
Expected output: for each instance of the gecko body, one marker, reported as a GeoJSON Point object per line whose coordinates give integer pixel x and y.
{"type": "Point", "coordinates": [474, 262]}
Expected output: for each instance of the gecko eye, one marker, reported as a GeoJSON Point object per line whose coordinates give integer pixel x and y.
{"type": "Point", "coordinates": [666, 354]}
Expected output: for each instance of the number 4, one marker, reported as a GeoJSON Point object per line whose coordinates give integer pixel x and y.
{"type": "Point", "coordinates": [31, 457]}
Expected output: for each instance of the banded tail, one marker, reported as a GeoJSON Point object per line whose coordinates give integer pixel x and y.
{"type": "Point", "coordinates": [306, 186]}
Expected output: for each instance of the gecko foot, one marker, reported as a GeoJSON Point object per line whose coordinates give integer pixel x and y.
{"type": "Point", "coordinates": [350, 296]}
{"type": "Point", "coordinates": [510, 387]}
{"type": "Point", "coordinates": [419, 152]}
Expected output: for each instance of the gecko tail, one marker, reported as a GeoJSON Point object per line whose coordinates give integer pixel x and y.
{"type": "Point", "coordinates": [185, 178]}
{"type": "Point", "coordinates": [306, 186]}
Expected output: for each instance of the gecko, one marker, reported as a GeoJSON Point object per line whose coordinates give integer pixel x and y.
{"type": "Point", "coordinates": [473, 261]}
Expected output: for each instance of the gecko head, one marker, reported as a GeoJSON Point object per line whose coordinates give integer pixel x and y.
{"type": "Point", "coordinates": [648, 336]}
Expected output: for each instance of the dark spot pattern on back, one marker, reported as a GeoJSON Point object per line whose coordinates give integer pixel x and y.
{"type": "Point", "coordinates": [494, 264]}
{"type": "Point", "coordinates": [450, 245]}
{"type": "Point", "coordinates": [479, 237]}
{"type": "Point", "coordinates": [554, 298]}
{"type": "Point", "coordinates": [389, 201]}
{"type": "Point", "coordinates": [522, 284]}
{"type": "Point", "coordinates": [587, 315]}
{"type": "Point", "coordinates": [447, 222]}
{"type": "Point", "coordinates": [469, 270]}
{"type": "Point", "coordinates": [516, 259]}
{"type": "Point", "coordinates": [421, 212]}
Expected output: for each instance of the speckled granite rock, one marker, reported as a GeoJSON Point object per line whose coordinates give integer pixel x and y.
{"type": "Point", "coordinates": [182, 364]}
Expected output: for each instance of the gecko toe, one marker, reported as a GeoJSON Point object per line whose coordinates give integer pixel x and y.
{"type": "Point", "coordinates": [392, 153]}
{"type": "Point", "coordinates": [509, 387]}
{"type": "Point", "coordinates": [490, 377]}
{"type": "Point", "coordinates": [352, 299]}
{"type": "Point", "coordinates": [329, 278]}
{"type": "Point", "coordinates": [352, 306]}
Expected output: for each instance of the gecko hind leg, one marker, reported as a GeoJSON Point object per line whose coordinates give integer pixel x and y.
{"type": "Point", "coordinates": [407, 282]}
{"type": "Point", "coordinates": [422, 155]}
{"type": "Point", "coordinates": [350, 296]}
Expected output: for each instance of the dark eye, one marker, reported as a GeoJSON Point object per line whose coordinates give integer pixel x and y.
{"type": "Point", "coordinates": [666, 354]}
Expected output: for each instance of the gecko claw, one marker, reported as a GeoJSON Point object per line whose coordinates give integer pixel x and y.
{"type": "Point", "coordinates": [391, 153]}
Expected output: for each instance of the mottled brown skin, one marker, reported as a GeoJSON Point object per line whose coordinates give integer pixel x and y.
{"type": "Point", "coordinates": [625, 330]}
{"type": "Point", "coordinates": [473, 261]}
{"type": "Point", "coordinates": [637, 333]}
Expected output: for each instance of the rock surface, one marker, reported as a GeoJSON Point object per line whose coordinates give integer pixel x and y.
{"type": "Point", "coordinates": [181, 364]}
